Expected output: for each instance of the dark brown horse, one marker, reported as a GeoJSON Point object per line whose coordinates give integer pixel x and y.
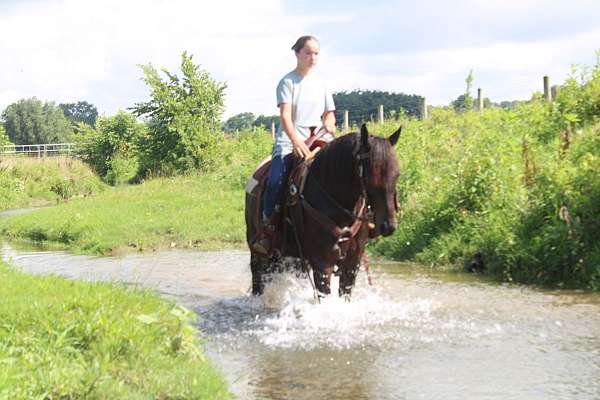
{"type": "Point", "coordinates": [328, 222]}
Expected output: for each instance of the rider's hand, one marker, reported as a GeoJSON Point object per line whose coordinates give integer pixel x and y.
{"type": "Point", "coordinates": [330, 126]}
{"type": "Point", "coordinates": [300, 148]}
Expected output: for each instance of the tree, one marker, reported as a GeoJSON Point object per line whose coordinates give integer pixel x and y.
{"type": "Point", "coordinates": [364, 104]}
{"type": "Point", "coordinates": [265, 121]}
{"type": "Point", "coordinates": [30, 121]}
{"type": "Point", "coordinates": [3, 137]}
{"type": "Point", "coordinates": [240, 121]}
{"type": "Point", "coordinates": [82, 111]}
{"type": "Point", "coordinates": [184, 117]}
{"type": "Point", "coordinates": [465, 101]}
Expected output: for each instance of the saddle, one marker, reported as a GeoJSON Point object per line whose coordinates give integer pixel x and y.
{"type": "Point", "coordinates": [255, 186]}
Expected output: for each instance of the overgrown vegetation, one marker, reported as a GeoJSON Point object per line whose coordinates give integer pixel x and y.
{"type": "Point", "coordinates": [521, 187]}
{"type": "Point", "coordinates": [28, 182]}
{"type": "Point", "coordinates": [61, 339]}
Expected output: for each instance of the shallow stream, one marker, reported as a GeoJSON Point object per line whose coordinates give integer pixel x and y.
{"type": "Point", "coordinates": [416, 333]}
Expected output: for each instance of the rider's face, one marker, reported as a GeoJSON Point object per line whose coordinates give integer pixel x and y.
{"type": "Point", "coordinates": [308, 55]}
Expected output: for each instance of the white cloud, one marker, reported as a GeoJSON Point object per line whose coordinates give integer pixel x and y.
{"type": "Point", "coordinates": [69, 50]}
{"type": "Point", "coordinates": [82, 50]}
{"type": "Point", "coordinates": [505, 70]}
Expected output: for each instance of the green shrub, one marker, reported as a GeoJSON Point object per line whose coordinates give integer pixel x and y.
{"type": "Point", "coordinates": [183, 121]}
{"type": "Point", "coordinates": [110, 149]}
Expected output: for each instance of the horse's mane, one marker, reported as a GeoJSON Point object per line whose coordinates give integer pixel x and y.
{"type": "Point", "coordinates": [336, 160]}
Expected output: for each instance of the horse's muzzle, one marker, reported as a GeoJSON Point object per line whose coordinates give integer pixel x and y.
{"type": "Point", "coordinates": [387, 229]}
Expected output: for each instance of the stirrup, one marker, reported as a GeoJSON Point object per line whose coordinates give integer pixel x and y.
{"type": "Point", "coordinates": [263, 244]}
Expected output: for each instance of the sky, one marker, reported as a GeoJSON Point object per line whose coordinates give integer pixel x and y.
{"type": "Point", "coordinates": [83, 50]}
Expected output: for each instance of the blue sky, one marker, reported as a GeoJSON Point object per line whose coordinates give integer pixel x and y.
{"type": "Point", "coordinates": [70, 50]}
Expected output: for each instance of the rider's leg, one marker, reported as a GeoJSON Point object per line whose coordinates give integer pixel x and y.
{"type": "Point", "coordinates": [278, 175]}
{"type": "Point", "coordinates": [276, 184]}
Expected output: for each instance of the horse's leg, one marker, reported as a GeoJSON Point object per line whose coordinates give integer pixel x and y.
{"type": "Point", "coordinates": [322, 276]}
{"type": "Point", "coordinates": [258, 267]}
{"type": "Point", "coordinates": [349, 268]}
{"type": "Point", "coordinates": [347, 279]}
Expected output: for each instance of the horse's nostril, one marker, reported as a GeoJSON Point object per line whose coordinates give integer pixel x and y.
{"type": "Point", "coordinates": [387, 228]}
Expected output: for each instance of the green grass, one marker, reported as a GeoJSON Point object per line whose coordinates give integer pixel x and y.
{"type": "Point", "coordinates": [29, 182]}
{"type": "Point", "coordinates": [61, 339]}
{"type": "Point", "coordinates": [195, 211]}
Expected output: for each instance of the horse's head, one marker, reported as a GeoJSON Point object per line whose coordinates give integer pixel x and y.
{"type": "Point", "coordinates": [379, 172]}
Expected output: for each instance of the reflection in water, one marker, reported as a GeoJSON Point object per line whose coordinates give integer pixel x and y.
{"type": "Point", "coordinates": [416, 333]}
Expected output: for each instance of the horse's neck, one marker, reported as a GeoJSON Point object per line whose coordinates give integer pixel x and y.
{"type": "Point", "coordinates": [344, 190]}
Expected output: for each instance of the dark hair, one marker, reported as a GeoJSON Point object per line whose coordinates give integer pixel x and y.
{"type": "Point", "coordinates": [302, 41]}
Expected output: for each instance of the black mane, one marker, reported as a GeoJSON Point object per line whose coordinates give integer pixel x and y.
{"type": "Point", "coordinates": [334, 166]}
{"type": "Point", "coordinates": [338, 157]}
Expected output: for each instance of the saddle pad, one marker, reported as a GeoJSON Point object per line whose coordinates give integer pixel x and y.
{"type": "Point", "coordinates": [258, 176]}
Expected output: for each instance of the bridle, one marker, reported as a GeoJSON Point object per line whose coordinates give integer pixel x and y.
{"type": "Point", "coordinates": [342, 233]}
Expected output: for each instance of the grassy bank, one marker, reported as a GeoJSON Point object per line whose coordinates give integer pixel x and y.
{"type": "Point", "coordinates": [196, 211]}
{"type": "Point", "coordinates": [61, 339]}
{"type": "Point", "coordinates": [30, 182]}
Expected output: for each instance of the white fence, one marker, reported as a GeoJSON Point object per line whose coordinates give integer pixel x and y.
{"type": "Point", "coordinates": [38, 150]}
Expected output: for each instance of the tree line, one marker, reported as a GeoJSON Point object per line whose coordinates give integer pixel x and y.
{"type": "Point", "coordinates": [32, 121]}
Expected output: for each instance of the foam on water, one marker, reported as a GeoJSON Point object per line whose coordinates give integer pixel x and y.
{"type": "Point", "coordinates": [287, 316]}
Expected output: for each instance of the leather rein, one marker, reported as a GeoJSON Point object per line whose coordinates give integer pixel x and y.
{"type": "Point", "coordinates": [358, 215]}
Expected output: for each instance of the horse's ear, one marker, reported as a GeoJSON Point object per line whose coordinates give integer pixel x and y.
{"type": "Point", "coordinates": [394, 137]}
{"type": "Point", "coordinates": [364, 136]}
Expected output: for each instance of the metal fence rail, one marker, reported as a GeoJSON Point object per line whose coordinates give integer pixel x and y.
{"type": "Point", "coordinates": [38, 150]}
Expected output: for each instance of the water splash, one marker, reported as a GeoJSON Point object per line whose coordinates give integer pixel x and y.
{"type": "Point", "coordinates": [287, 316]}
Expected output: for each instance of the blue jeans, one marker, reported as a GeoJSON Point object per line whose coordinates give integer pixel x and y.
{"type": "Point", "coordinates": [278, 176]}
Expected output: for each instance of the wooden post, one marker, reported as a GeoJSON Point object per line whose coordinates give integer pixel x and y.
{"type": "Point", "coordinates": [424, 108]}
{"type": "Point", "coordinates": [346, 127]}
{"type": "Point", "coordinates": [381, 114]}
{"type": "Point", "coordinates": [479, 100]}
{"type": "Point", "coordinates": [547, 94]}
{"type": "Point", "coordinates": [554, 91]}
{"type": "Point", "coordinates": [273, 129]}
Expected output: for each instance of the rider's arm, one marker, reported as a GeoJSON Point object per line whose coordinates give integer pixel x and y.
{"type": "Point", "coordinates": [329, 121]}
{"type": "Point", "coordinates": [285, 113]}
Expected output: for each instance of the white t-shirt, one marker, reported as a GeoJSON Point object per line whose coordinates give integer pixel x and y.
{"type": "Point", "coordinates": [310, 98]}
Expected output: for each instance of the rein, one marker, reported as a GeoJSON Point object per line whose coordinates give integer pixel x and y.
{"type": "Point", "coordinates": [358, 215]}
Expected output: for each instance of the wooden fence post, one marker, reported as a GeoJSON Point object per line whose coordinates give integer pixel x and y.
{"type": "Point", "coordinates": [346, 128]}
{"type": "Point", "coordinates": [547, 94]}
{"type": "Point", "coordinates": [381, 114]}
{"type": "Point", "coordinates": [479, 100]}
{"type": "Point", "coordinates": [273, 129]}
{"type": "Point", "coordinates": [424, 108]}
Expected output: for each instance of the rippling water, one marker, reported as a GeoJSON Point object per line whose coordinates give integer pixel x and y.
{"type": "Point", "coordinates": [414, 334]}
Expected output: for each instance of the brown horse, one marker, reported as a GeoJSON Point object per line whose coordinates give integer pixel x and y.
{"type": "Point", "coordinates": [349, 183]}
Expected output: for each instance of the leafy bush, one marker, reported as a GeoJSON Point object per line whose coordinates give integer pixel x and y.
{"type": "Point", "coordinates": [183, 121]}
{"type": "Point", "coordinates": [111, 148]}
